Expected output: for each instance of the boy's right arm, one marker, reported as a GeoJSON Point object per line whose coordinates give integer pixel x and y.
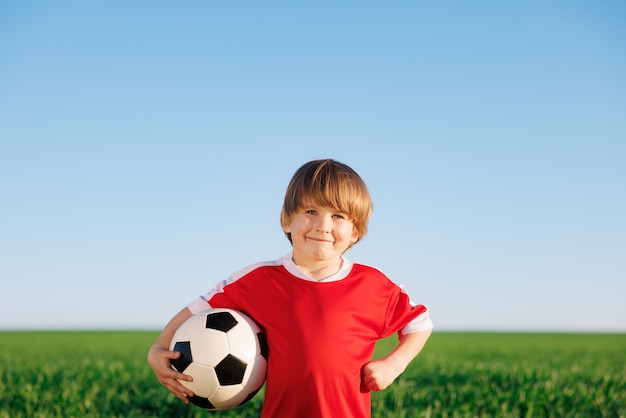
{"type": "Point", "coordinates": [159, 357]}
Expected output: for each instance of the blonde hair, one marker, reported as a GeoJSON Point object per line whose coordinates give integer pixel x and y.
{"type": "Point", "coordinates": [329, 183]}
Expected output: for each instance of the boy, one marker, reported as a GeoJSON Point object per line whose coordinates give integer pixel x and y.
{"type": "Point", "coordinates": [322, 314]}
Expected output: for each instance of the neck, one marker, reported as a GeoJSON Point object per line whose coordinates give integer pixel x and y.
{"type": "Point", "coordinates": [319, 270]}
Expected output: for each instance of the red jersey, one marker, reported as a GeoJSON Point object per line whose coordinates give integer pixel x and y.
{"type": "Point", "coordinates": [319, 334]}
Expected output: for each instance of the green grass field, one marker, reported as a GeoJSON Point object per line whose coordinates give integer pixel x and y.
{"type": "Point", "coordinates": [105, 374]}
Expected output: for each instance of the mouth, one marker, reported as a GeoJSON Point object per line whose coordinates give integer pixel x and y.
{"type": "Point", "coordinates": [319, 240]}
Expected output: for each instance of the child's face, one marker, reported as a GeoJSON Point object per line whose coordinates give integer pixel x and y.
{"type": "Point", "coordinates": [320, 233]}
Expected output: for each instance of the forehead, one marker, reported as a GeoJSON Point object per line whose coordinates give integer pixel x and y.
{"type": "Point", "coordinates": [311, 202]}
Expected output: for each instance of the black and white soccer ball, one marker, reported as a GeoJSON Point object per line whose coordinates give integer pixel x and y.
{"type": "Point", "coordinates": [226, 354]}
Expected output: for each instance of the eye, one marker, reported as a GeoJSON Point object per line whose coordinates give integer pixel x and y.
{"type": "Point", "coordinates": [339, 216]}
{"type": "Point", "coordinates": [310, 211]}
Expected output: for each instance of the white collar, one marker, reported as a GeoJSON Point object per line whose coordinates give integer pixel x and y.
{"type": "Point", "coordinates": [290, 265]}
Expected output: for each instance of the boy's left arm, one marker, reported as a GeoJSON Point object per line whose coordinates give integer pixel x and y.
{"type": "Point", "coordinates": [378, 374]}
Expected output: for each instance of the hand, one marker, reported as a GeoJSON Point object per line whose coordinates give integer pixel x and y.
{"type": "Point", "coordinates": [159, 359]}
{"type": "Point", "coordinates": [378, 375]}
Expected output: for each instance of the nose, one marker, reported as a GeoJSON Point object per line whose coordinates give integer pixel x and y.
{"type": "Point", "coordinates": [324, 223]}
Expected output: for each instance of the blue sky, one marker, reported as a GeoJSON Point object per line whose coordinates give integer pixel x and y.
{"type": "Point", "coordinates": [145, 148]}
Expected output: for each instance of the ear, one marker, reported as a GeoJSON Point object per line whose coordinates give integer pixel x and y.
{"type": "Point", "coordinates": [355, 236]}
{"type": "Point", "coordinates": [285, 221]}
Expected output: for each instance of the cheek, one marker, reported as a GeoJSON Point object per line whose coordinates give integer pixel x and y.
{"type": "Point", "coordinates": [294, 225]}
{"type": "Point", "coordinates": [352, 233]}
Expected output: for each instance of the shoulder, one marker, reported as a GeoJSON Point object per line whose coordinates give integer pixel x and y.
{"type": "Point", "coordinates": [374, 274]}
{"type": "Point", "coordinates": [255, 268]}
{"type": "Point", "coordinates": [247, 276]}
{"type": "Point", "coordinates": [367, 269]}
{"type": "Point", "coordinates": [262, 264]}
{"type": "Point", "coordinates": [371, 273]}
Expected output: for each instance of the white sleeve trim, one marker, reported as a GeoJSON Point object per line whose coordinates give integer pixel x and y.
{"type": "Point", "coordinates": [421, 323]}
{"type": "Point", "coordinates": [198, 305]}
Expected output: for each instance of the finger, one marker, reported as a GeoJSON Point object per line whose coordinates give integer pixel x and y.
{"type": "Point", "coordinates": [173, 355]}
{"type": "Point", "coordinates": [182, 392]}
{"type": "Point", "coordinates": [182, 396]}
{"type": "Point", "coordinates": [173, 374]}
{"type": "Point", "coordinates": [186, 396]}
{"type": "Point", "coordinates": [170, 372]}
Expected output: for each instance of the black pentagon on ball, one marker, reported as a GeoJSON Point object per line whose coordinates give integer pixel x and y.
{"type": "Point", "coordinates": [263, 344]}
{"type": "Point", "coordinates": [185, 359]}
{"type": "Point", "coordinates": [221, 321]}
{"type": "Point", "coordinates": [230, 370]}
{"type": "Point", "coordinates": [201, 402]}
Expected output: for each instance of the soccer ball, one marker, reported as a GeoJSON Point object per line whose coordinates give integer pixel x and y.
{"type": "Point", "coordinates": [226, 354]}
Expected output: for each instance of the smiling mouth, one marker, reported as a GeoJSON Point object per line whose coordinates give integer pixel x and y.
{"type": "Point", "coordinates": [319, 240]}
